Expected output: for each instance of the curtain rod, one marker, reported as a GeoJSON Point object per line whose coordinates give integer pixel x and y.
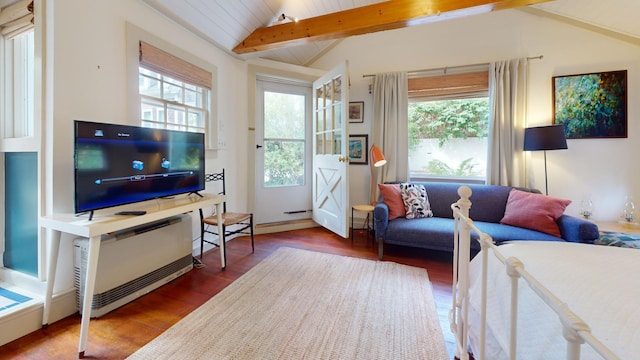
{"type": "Point", "coordinates": [539, 57]}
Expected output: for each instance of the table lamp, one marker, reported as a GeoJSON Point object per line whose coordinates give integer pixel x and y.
{"type": "Point", "coordinates": [376, 160]}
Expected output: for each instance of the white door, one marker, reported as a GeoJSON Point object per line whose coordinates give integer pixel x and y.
{"type": "Point", "coordinates": [330, 151]}
{"type": "Point", "coordinates": [283, 151]}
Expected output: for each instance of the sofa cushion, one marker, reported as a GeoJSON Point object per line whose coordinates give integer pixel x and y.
{"type": "Point", "coordinates": [437, 233]}
{"type": "Point", "coordinates": [392, 196]}
{"type": "Point", "coordinates": [416, 202]}
{"type": "Point", "coordinates": [501, 233]}
{"type": "Point", "coordinates": [534, 211]}
{"type": "Point", "coordinates": [432, 233]}
{"type": "Point", "coordinates": [489, 201]}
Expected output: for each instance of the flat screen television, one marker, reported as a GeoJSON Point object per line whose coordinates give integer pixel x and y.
{"type": "Point", "coordinates": [123, 164]}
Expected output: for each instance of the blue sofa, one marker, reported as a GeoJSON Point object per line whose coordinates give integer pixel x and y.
{"type": "Point", "coordinates": [487, 209]}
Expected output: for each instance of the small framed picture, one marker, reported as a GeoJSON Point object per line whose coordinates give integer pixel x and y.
{"type": "Point", "coordinates": [359, 149]}
{"type": "Point", "coordinates": [356, 112]}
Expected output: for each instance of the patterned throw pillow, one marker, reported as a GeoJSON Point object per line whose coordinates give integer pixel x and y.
{"type": "Point", "coordinates": [415, 201]}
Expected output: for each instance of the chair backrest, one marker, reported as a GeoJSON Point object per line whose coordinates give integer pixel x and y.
{"type": "Point", "coordinates": [218, 177]}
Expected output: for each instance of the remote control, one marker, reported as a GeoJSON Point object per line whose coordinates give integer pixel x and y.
{"type": "Point", "coordinates": [131, 212]}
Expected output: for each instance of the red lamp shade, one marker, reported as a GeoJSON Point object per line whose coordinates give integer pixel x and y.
{"type": "Point", "coordinates": [377, 157]}
{"type": "Point", "coordinates": [377, 160]}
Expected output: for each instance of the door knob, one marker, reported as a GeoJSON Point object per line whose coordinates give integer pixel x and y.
{"type": "Point", "coordinates": [341, 159]}
{"type": "Point", "coordinates": [258, 146]}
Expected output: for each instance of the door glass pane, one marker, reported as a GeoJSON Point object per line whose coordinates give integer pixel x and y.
{"type": "Point", "coordinates": [283, 163]}
{"type": "Point", "coordinates": [328, 143]}
{"type": "Point", "coordinates": [318, 99]}
{"type": "Point", "coordinates": [284, 139]}
{"type": "Point", "coordinates": [337, 141]}
{"type": "Point", "coordinates": [337, 116]}
{"type": "Point", "coordinates": [320, 126]}
{"type": "Point", "coordinates": [320, 144]}
{"type": "Point", "coordinates": [283, 116]}
{"type": "Point", "coordinates": [337, 90]}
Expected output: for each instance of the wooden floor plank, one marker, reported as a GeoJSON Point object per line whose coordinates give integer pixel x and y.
{"type": "Point", "coordinates": [124, 330]}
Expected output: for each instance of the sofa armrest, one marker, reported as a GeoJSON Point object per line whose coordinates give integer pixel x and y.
{"type": "Point", "coordinates": [574, 229]}
{"type": "Point", "coordinates": [381, 219]}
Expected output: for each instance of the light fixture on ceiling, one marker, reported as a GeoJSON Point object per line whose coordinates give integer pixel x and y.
{"type": "Point", "coordinates": [282, 18]}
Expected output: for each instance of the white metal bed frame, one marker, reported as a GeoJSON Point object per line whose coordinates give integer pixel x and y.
{"type": "Point", "coordinates": [575, 331]}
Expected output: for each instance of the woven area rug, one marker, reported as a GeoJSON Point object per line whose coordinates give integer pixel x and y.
{"type": "Point", "coordinates": [299, 304]}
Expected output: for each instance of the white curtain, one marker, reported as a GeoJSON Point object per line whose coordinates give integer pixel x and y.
{"type": "Point", "coordinates": [508, 109]}
{"type": "Point", "coordinates": [390, 129]}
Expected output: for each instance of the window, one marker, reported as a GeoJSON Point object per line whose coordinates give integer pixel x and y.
{"type": "Point", "coordinates": [167, 103]}
{"type": "Point", "coordinates": [19, 146]}
{"type": "Point", "coordinates": [448, 127]}
{"type": "Point", "coordinates": [174, 94]}
{"type": "Point", "coordinates": [17, 86]}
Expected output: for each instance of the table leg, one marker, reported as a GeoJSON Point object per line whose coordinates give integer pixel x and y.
{"type": "Point", "coordinates": [223, 255]}
{"type": "Point", "coordinates": [52, 263]}
{"type": "Point", "coordinates": [368, 227]}
{"type": "Point", "coordinates": [89, 285]}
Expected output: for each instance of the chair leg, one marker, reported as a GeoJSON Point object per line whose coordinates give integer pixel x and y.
{"type": "Point", "coordinates": [221, 239]}
{"type": "Point", "coordinates": [201, 234]}
{"type": "Point", "coordinates": [251, 224]}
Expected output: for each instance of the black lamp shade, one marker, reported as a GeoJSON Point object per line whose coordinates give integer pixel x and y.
{"type": "Point", "coordinates": [545, 138]}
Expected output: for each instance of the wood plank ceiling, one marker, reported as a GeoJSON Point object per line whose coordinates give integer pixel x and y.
{"type": "Point", "coordinates": [226, 23]}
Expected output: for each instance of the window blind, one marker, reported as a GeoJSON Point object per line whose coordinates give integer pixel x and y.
{"type": "Point", "coordinates": [444, 87]}
{"type": "Point", "coordinates": [164, 63]}
{"type": "Point", "coordinates": [16, 19]}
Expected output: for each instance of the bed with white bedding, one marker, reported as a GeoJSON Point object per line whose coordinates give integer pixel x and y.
{"type": "Point", "coordinates": [593, 290]}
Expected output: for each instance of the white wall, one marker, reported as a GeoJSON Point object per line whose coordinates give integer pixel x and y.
{"type": "Point", "coordinates": [601, 168]}
{"type": "Point", "coordinates": [87, 80]}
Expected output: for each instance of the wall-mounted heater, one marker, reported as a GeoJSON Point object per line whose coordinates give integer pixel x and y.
{"type": "Point", "coordinates": [134, 262]}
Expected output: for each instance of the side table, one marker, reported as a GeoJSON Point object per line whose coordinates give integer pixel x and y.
{"type": "Point", "coordinates": [368, 209]}
{"type": "Point", "coordinates": [618, 226]}
{"type": "Point", "coordinates": [620, 234]}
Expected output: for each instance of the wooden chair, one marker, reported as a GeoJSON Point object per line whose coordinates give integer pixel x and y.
{"type": "Point", "coordinates": [242, 223]}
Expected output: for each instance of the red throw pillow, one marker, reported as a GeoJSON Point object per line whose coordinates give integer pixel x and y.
{"type": "Point", "coordinates": [392, 196]}
{"type": "Point", "coordinates": [534, 211]}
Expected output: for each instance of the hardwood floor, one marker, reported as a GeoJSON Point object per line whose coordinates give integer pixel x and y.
{"type": "Point", "coordinates": [122, 331]}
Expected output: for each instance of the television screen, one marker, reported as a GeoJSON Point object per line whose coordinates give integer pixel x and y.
{"type": "Point", "coordinates": [122, 164]}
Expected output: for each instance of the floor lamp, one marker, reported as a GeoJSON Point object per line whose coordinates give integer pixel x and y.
{"type": "Point", "coordinates": [376, 160]}
{"type": "Point", "coordinates": [545, 138]}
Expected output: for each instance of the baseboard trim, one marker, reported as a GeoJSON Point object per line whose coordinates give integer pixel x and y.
{"type": "Point", "coordinates": [29, 318]}
{"type": "Point", "coordinates": [284, 226]}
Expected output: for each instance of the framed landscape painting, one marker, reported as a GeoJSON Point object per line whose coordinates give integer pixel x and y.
{"type": "Point", "coordinates": [356, 112]}
{"type": "Point", "coordinates": [591, 105]}
{"type": "Point", "coordinates": [358, 149]}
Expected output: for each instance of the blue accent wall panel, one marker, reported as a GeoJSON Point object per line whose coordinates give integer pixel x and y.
{"type": "Point", "coordinates": [21, 212]}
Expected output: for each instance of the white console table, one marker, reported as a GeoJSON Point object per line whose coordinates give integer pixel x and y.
{"type": "Point", "coordinates": [102, 224]}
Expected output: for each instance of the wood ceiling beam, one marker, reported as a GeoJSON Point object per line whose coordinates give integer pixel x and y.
{"type": "Point", "coordinates": [382, 16]}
